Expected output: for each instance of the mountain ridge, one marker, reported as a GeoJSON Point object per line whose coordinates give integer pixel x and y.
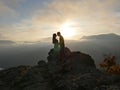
{"type": "Point", "coordinates": [102, 36]}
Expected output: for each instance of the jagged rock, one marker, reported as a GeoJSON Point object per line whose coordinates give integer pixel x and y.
{"type": "Point", "coordinates": [10, 76]}
{"type": "Point", "coordinates": [36, 79]}
{"type": "Point", "coordinates": [42, 63]}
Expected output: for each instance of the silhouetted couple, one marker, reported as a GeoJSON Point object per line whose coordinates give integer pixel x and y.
{"type": "Point", "coordinates": [59, 45]}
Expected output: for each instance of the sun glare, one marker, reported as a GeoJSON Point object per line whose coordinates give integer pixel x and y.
{"type": "Point", "coordinates": [67, 31]}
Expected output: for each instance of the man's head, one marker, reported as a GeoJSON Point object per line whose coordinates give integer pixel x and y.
{"type": "Point", "coordinates": [58, 33]}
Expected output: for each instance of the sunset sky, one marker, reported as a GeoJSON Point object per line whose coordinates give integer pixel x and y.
{"type": "Point", "coordinates": [34, 20]}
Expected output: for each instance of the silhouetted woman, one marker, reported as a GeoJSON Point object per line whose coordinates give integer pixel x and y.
{"type": "Point", "coordinates": [55, 42]}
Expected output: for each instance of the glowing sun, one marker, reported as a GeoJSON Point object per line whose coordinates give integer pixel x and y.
{"type": "Point", "coordinates": [67, 30]}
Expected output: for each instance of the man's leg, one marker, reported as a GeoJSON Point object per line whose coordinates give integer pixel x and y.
{"type": "Point", "coordinates": [62, 54]}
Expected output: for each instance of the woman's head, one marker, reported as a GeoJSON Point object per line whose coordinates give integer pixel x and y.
{"type": "Point", "coordinates": [54, 35]}
{"type": "Point", "coordinates": [54, 38]}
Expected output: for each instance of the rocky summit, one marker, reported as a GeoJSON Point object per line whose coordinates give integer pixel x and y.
{"type": "Point", "coordinates": [75, 71]}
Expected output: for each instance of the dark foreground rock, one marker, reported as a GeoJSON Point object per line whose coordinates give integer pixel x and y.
{"type": "Point", "coordinates": [76, 71]}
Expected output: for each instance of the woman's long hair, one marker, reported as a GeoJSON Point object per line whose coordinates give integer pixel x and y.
{"type": "Point", "coordinates": [54, 38]}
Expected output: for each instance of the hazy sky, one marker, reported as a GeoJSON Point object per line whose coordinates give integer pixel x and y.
{"type": "Point", "coordinates": [32, 20]}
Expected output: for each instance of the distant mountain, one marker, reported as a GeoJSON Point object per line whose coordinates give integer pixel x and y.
{"type": "Point", "coordinates": [102, 36]}
{"type": "Point", "coordinates": [6, 42]}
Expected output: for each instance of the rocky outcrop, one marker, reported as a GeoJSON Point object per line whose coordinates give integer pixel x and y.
{"type": "Point", "coordinates": [76, 71]}
{"type": "Point", "coordinates": [74, 62]}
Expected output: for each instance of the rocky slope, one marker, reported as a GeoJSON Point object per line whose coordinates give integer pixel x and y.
{"type": "Point", "coordinates": [76, 71]}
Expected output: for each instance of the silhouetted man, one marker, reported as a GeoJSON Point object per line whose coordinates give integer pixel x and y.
{"type": "Point", "coordinates": [62, 45]}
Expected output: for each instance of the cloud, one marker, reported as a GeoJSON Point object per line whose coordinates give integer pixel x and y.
{"type": "Point", "coordinates": [95, 13]}
{"type": "Point", "coordinates": [5, 10]}
{"type": "Point", "coordinates": [8, 8]}
{"type": "Point", "coordinates": [24, 32]}
{"type": "Point", "coordinates": [90, 17]}
{"type": "Point", "coordinates": [67, 9]}
{"type": "Point", "coordinates": [13, 3]}
{"type": "Point", "coordinates": [1, 35]}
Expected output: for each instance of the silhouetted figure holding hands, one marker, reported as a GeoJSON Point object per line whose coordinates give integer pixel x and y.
{"type": "Point", "coordinates": [55, 42]}
{"type": "Point", "coordinates": [62, 45]}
